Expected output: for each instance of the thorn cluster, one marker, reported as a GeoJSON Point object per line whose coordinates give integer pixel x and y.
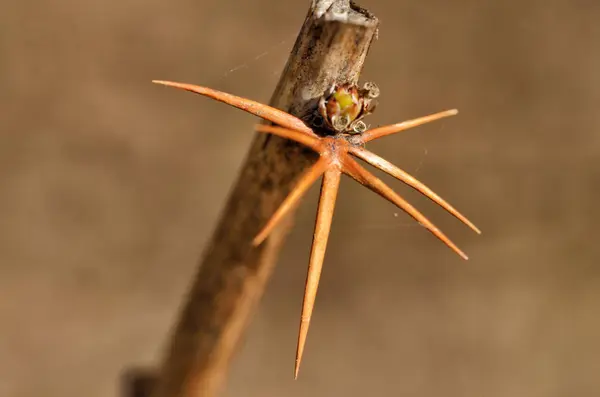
{"type": "Point", "coordinates": [341, 109]}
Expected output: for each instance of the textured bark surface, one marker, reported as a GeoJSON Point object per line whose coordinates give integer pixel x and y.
{"type": "Point", "coordinates": [331, 47]}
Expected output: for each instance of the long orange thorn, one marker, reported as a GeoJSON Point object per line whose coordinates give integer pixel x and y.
{"type": "Point", "coordinates": [256, 108]}
{"type": "Point", "coordinates": [290, 202]}
{"type": "Point", "coordinates": [410, 180]}
{"type": "Point", "coordinates": [405, 125]}
{"type": "Point", "coordinates": [300, 137]}
{"type": "Point", "coordinates": [364, 177]}
{"type": "Point", "coordinates": [329, 190]}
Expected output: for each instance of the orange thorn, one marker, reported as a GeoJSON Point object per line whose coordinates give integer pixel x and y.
{"type": "Point", "coordinates": [294, 135]}
{"type": "Point", "coordinates": [329, 190]}
{"type": "Point", "coordinates": [305, 182]}
{"type": "Point", "coordinates": [405, 177]}
{"type": "Point", "coordinates": [364, 177]}
{"type": "Point", "coordinates": [256, 108]}
{"type": "Point", "coordinates": [379, 132]}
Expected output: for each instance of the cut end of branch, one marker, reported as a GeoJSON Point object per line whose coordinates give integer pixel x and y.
{"type": "Point", "coordinates": [343, 11]}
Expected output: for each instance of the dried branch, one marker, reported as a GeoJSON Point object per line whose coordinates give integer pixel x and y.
{"type": "Point", "coordinates": [331, 48]}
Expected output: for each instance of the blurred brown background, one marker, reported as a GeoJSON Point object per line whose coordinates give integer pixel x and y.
{"type": "Point", "coordinates": [110, 187]}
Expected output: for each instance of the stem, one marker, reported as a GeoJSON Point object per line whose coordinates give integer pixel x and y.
{"type": "Point", "coordinates": [331, 47]}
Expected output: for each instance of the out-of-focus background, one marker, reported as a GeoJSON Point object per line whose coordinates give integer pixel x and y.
{"type": "Point", "coordinates": [110, 187]}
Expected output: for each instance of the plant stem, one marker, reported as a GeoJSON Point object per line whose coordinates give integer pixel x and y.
{"type": "Point", "coordinates": [331, 47]}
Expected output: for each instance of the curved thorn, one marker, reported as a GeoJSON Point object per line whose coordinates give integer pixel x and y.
{"type": "Point", "coordinates": [256, 108]}
{"type": "Point", "coordinates": [411, 181]}
{"type": "Point", "coordinates": [356, 171]}
{"type": "Point", "coordinates": [329, 190]}
{"type": "Point", "coordinates": [305, 182]}
{"type": "Point", "coordinates": [294, 135]}
{"type": "Point", "coordinates": [394, 128]}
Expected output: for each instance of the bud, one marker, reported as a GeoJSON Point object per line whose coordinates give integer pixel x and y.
{"type": "Point", "coordinates": [344, 106]}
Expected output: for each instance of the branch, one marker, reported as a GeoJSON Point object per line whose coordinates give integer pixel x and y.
{"type": "Point", "coordinates": [331, 47]}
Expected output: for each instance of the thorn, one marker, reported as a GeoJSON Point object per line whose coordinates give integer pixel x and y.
{"type": "Point", "coordinates": [396, 172]}
{"type": "Point", "coordinates": [329, 190]}
{"type": "Point", "coordinates": [256, 108]}
{"type": "Point", "coordinates": [290, 202]}
{"type": "Point", "coordinates": [405, 125]}
{"type": "Point", "coordinates": [364, 177]}
{"type": "Point", "coordinates": [293, 135]}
